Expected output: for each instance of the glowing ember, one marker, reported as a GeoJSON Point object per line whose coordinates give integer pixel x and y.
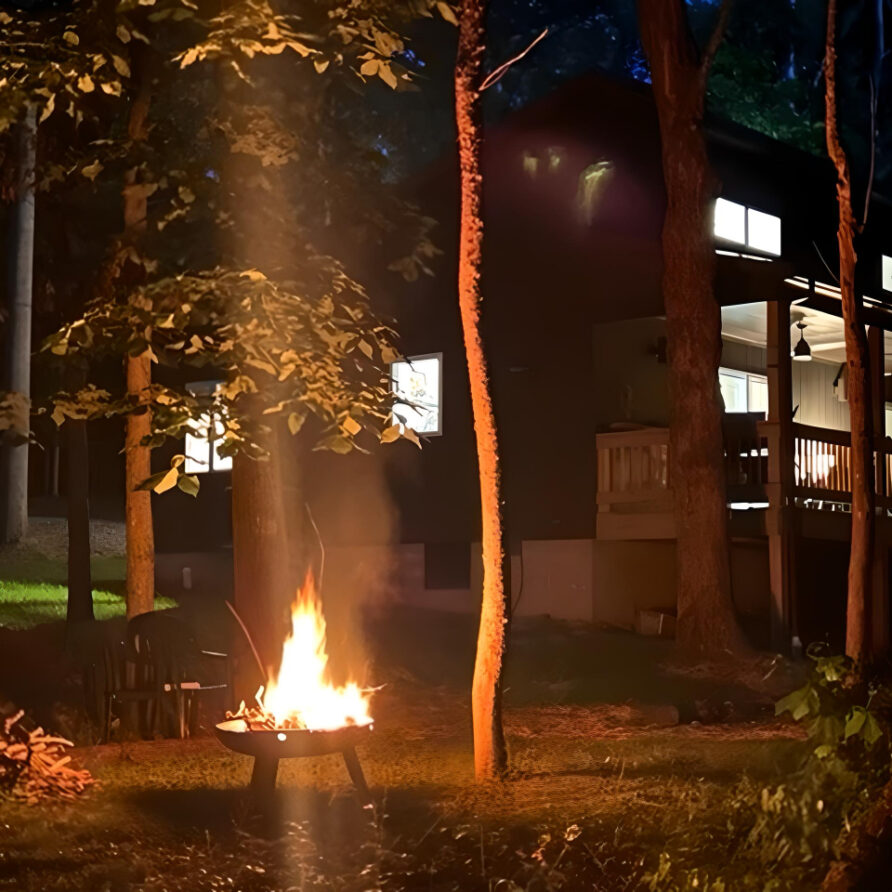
{"type": "Point", "coordinates": [301, 695]}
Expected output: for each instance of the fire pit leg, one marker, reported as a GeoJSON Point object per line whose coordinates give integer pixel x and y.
{"type": "Point", "coordinates": [355, 770]}
{"type": "Point", "coordinates": [263, 777]}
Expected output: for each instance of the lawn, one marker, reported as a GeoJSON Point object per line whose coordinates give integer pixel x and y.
{"type": "Point", "coordinates": [24, 605]}
{"type": "Point", "coordinates": [33, 575]}
{"type": "Point", "coordinates": [593, 800]}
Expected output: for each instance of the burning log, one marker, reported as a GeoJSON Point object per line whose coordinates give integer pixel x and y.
{"type": "Point", "coordinates": [33, 764]}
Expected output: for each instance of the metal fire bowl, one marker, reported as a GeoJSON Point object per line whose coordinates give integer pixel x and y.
{"type": "Point", "coordinates": [287, 744]}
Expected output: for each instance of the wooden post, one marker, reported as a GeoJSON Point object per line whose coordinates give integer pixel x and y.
{"type": "Point", "coordinates": [780, 521]}
{"type": "Point", "coordinates": [880, 616]}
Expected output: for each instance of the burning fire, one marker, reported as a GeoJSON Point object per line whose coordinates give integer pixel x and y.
{"type": "Point", "coordinates": [301, 694]}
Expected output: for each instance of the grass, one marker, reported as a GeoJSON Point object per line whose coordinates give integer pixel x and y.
{"type": "Point", "coordinates": [180, 812]}
{"type": "Point", "coordinates": [33, 578]}
{"type": "Point", "coordinates": [25, 604]}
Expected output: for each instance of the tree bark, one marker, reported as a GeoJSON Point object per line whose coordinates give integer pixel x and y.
{"type": "Point", "coordinates": [858, 606]}
{"type": "Point", "coordinates": [80, 585]}
{"type": "Point", "coordinates": [138, 457]}
{"type": "Point", "coordinates": [17, 371]}
{"type": "Point", "coordinates": [707, 625]}
{"type": "Point", "coordinates": [490, 754]}
{"type": "Point", "coordinates": [262, 580]}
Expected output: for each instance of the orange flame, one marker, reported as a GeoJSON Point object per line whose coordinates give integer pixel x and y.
{"type": "Point", "coordinates": [301, 694]}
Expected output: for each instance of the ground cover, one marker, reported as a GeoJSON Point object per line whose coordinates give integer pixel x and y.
{"type": "Point", "coordinates": [611, 796]}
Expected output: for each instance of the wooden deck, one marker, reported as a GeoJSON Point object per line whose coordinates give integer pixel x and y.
{"type": "Point", "coordinates": [634, 497]}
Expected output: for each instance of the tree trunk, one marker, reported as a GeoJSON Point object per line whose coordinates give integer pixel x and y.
{"type": "Point", "coordinates": [138, 504]}
{"type": "Point", "coordinates": [138, 458]}
{"type": "Point", "coordinates": [707, 625]}
{"type": "Point", "coordinates": [858, 607]}
{"type": "Point", "coordinates": [490, 755]}
{"type": "Point", "coordinates": [17, 371]}
{"type": "Point", "coordinates": [262, 581]}
{"type": "Point", "coordinates": [80, 586]}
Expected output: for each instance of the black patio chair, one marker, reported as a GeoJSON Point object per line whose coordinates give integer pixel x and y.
{"type": "Point", "coordinates": [169, 662]}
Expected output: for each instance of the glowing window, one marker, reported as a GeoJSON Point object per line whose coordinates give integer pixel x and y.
{"type": "Point", "coordinates": [202, 444]}
{"type": "Point", "coordinates": [743, 391]}
{"type": "Point", "coordinates": [730, 221]}
{"type": "Point", "coordinates": [418, 385]}
{"type": "Point", "coordinates": [887, 272]}
{"type": "Point", "coordinates": [735, 222]}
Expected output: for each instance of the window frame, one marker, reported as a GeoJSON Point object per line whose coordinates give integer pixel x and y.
{"type": "Point", "coordinates": [205, 388]}
{"type": "Point", "coordinates": [417, 358]}
{"type": "Point", "coordinates": [761, 252]}
{"type": "Point", "coordinates": [747, 378]}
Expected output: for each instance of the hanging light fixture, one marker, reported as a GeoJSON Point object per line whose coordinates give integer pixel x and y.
{"type": "Point", "coordinates": [802, 351]}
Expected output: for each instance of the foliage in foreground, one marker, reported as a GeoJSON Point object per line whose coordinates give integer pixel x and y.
{"type": "Point", "coordinates": [793, 830]}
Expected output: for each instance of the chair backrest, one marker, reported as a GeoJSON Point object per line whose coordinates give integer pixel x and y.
{"type": "Point", "coordinates": [164, 645]}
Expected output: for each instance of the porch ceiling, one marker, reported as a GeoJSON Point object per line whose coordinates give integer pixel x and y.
{"type": "Point", "coordinates": [747, 323]}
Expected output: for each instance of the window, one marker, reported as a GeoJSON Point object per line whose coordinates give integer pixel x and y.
{"type": "Point", "coordinates": [887, 273]}
{"type": "Point", "coordinates": [202, 453]}
{"type": "Point", "coordinates": [743, 391]}
{"type": "Point", "coordinates": [735, 222]}
{"type": "Point", "coordinates": [417, 383]}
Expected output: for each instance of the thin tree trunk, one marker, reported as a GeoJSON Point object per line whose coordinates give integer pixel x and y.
{"type": "Point", "coordinates": [80, 586]}
{"type": "Point", "coordinates": [490, 755]}
{"type": "Point", "coordinates": [707, 625]}
{"type": "Point", "coordinates": [20, 275]}
{"type": "Point", "coordinates": [858, 607]}
{"type": "Point", "coordinates": [138, 458]}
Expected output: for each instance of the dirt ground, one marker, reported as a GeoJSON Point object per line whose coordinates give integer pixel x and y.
{"type": "Point", "coordinates": [595, 794]}
{"type": "Point", "coordinates": [622, 763]}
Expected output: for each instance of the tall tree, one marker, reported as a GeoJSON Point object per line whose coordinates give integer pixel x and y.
{"type": "Point", "coordinates": [858, 605]}
{"type": "Point", "coordinates": [706, 620]}
{"type": "Point", "coordinates": [490, 754]}
{"type": "Point", "coordinates": [138, 367]}
{"type": "Point", "coordinates": [17, 367]}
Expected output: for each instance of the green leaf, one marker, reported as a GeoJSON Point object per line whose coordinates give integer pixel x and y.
{"type": "Point", "coordinates": [792, 702]}
{"type": "Point", "coordinates": [855, 722]}
{"type": "Point", "coordinates": [334, 443]}
{"type": "Point", "coordinates": [411, 436]}
{"type": "Point", "coordinates": [296, 421]}
{"type": "Point", "coordinates": [872, 731]}
{"type": "Point", "coordinates": [188, 483]}
{"type": "Point", "coordinates": [151, 482]}
{"type": "Point", "coordinates": [351, 426]}
{"type": "Point", "coordinates": [391, 434]}
{"type": "Point", "coordinates": [167, 481]}
{"type": "Point", "coordinates": [446, 12]}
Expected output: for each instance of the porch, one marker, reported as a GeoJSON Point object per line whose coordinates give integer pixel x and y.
{"type": "Point", "coordinates": [787, 480]}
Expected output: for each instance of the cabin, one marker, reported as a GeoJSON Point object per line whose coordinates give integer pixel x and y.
{"type": "Point", "coordinates": [573, 205]}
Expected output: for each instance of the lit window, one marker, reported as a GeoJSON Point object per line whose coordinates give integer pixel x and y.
{"type": "Point", "coordinates": [887, 272]}
{"type": "Point", "coordinates": [735, 222]}
{"type": "Point", "coordinates": [202, 444]}
{"type": "Point", "coordinates": [730, 221]}
{"type": "Point", "coordinates": [743, 391]}
{"type": "Point", "coordinates": [418, 385]}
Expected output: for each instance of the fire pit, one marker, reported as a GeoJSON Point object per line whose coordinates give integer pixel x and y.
{"type": "Point", "coordinates": [268, 746]}
{"type": "Point", "coordinates": [300, 712]}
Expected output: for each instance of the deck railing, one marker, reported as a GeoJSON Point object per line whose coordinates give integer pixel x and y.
{"type": "Point", "coordinates": [633, 465]}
